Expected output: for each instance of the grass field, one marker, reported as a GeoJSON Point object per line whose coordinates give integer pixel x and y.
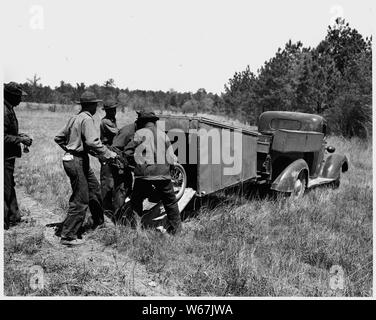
{"type": "Point", "coordinates": [242, 247]}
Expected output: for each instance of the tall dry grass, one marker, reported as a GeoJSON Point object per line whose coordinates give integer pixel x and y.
{"type": "Point", "coordinates": [247, 247]}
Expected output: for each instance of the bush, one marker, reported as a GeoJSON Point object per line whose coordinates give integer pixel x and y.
{"type": "Point", "coordinates": [190, 106]}
{"type": "Point", "coordinates": [350, 119]}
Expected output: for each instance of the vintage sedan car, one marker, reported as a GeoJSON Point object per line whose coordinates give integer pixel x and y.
{"type": "Point", "coordinates": [293, 155]}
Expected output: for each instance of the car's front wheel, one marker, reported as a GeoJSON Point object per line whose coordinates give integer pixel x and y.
{"type": "Point", "coordinates": [299, 186]}
{"type": "Point", "coordinates": [336, 183]}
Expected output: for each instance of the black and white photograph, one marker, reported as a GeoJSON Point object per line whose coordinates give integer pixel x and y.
{"type": "Point", "coordinates": [187, 150]}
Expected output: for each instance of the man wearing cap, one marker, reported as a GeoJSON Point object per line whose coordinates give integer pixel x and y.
{"type": "Point", "coordinates": [153, 154]}
{"type": "Point", "coordinates": [12, 150]}
{"type": "Point", "coordinates": [108, 130]}
{"type": "Point", "coordinates": [79, 138]}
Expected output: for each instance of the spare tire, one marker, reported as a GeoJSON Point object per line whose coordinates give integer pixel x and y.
{"type": "Point", "coordinates": [178, 179]}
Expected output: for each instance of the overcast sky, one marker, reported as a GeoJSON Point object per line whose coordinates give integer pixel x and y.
{"type": "Point", "coordinates": [164, 44]}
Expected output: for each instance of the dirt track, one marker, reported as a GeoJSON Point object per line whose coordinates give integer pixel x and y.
{"type": "Point", "coordinates": [117, 274]}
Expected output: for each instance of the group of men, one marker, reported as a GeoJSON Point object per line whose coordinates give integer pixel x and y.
{"type": "Point", "coordinates": [139, 174]}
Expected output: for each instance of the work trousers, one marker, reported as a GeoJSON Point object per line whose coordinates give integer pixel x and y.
{"type": "Point", "coordinates": [116, 185]}
{"type": "Point", "coordinates": [11, 212]}
{"type": "Point", "coordinates": [143, 188]}
{"type": "Point", "coordinates": [107, 187]}
{"type": "Point", "coordinates": [86, 193]}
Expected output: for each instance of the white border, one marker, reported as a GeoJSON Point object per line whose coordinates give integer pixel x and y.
{"type": "Point", "coordinates": [2, 297]}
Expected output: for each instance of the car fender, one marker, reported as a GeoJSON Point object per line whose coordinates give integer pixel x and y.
{"type": "Point", "coordinates": [334, 165]}
{"type": "Point", "coordinates": [286, 180]}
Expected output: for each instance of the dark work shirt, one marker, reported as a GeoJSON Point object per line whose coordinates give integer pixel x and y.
{"type": "Point", "coordinates": [108, 130]}
{"type": "Point", "coordinates": [154, 164]}
{"type": "Point", "coordinates": [12, 146]}
{"type": "Point", "coordinates": [124, 136]}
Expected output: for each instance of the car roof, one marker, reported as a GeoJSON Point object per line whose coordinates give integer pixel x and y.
{"type": "Point", "coordinates": [310, 122]}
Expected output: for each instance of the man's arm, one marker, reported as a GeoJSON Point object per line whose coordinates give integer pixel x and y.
{"type": "Point", "coordinates": [109, 127]}
{"type": "Point", "coordinates": [9, 138]}
{"type": "Point", "coordinates": [130, 148]}
{"type": "Point", "coordinates": [61, 138]}
{"type": "Point", "coordinates": [93, 142]}
{"type": "Point", "coordinates": [123, 137]}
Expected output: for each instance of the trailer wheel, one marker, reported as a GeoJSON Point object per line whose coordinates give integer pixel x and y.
{"type": "Point", "coordinates": [179, 180]}
{"type": "Point", "coordinates": [299, 186]}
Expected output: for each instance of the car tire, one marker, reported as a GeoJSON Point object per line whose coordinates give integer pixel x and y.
{"type": "Point", "coordinates": [179, 179]}
{"type": "Point", "coordinates": [299, 186]}
{"type": "Point", "coordinates": [336, 183]}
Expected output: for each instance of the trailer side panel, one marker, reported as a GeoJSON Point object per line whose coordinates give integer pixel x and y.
{"type": "Point", "coordinates": [224, 163]}
{"type": "Point", "coordinates": [219, 161]}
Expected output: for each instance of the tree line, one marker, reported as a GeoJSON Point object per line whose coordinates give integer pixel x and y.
{"type": "Point", "coordinates": [66, 93]}
{"type": "Point", "coordinates": [333, 79]}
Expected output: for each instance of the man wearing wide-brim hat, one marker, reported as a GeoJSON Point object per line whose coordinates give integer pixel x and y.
{"type": "Point", "coordinates": [12, 149]}
{"type": "Point", "coordinates": [108, 125]}
{"type": "Point", "coordinates": [153, 154]}
{"type": "Point", "coordinates": [79, 138]}
{"type": "Point", "coordinates": [108, 130]}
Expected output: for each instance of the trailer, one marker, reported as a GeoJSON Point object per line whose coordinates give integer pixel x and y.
{"type": "Point", "coordinates": [288, 153]}
{"type": "Point", "coordinates": [202, 146]}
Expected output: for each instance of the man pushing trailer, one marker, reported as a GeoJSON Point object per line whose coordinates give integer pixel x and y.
{"type": "Point", "coordinates": [152, 153]}
{"type": "Point", "coordinates": [79, 138]}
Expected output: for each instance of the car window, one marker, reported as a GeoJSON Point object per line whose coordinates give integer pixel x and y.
{"type": "Point", "coordinates": [285, 124]}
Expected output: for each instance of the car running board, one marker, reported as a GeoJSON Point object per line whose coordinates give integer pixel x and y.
{"type": "Point", "coordinates": [182, 203]}
{"type": "Point", "coordinates": [318, 181]}
{"type": "Point", "coordinates": [154, 212]}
